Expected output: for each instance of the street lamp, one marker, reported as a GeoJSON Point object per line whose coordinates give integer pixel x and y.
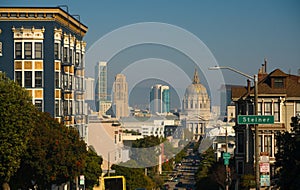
{"type": "Point", "coordinates": [254, 78]}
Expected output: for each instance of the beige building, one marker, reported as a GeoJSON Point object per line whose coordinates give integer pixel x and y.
{"type": "Point", "coordinates": [278, 95]}
{"type": "Point", "coordinates": [120, 97]}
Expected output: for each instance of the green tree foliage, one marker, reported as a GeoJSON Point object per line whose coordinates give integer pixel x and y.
{"type": "Point", "coordinates": [204, 173]}
{"type": "Point", "coordinates": [145, 151]}
{"type": "Point", "coordinates": [16, 124]}
{"type": "Point", "coordinates": [92, 170]}
{"type": "Point", "coordinates": [288, 156]}
{"type": "Point", "coordinates": [55, 155]}
{"type": "Point", "coordinates": [135, 177]}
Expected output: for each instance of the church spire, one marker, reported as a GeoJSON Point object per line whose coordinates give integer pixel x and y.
{"type": "Point", "coordinates": [196, 79]}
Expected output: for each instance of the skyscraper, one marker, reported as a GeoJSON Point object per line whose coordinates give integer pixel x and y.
{"type": "Point", "coordinates": [101, 84]}
{"type": "Point", "coordinates": [89, 88]}
{"type": "Point", "coordinates": [120, 100]}
{"type": "Point", "coordinates": [43, 51]}
{"type": "Point", "coordinates": [159, 99]}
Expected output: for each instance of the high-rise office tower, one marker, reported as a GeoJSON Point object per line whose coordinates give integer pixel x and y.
{"type": "Point", "coordinates": [101, 84]}
{"type": "Point", "coordinates": [120, 100]}
{"type": "Point", "coordinates": [165, 99]}
{"type": "Point", "coordinates": [159, 99]}
{"type": "Point", "coordinates": [89, 88]}
{"type": "Point", "coordinates": [43, 51]}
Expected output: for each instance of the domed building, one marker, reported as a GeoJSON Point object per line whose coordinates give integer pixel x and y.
{"type": "Point", "coordinates": [195, 108]}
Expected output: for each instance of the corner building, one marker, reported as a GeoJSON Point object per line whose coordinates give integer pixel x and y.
{"type": "Point", "coordinates": [43, 51]}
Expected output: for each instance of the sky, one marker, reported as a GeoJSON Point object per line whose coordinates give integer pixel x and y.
{"type": "Point", "coordinates": [239, 34]}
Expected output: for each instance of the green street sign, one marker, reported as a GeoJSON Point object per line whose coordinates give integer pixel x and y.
{"type": "Point", "coordinates": [255, 119]}
{"type": "Point", "coordinates": [226, 161]}
{"type": "Point", "coordinates": [226, 155]}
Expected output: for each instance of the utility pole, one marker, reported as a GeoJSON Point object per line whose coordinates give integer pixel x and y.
{"type": "Point", "coordinates": [256, 134]}
{"type": "Point", "coordinates": [255, 79]}
{"type": "Point", "coordinates": [226, 166]}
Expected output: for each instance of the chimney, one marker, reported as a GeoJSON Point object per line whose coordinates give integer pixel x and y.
{"type": "Point", "coordinates": [262, 72]}
{"type": "Point", "coordinates": [265, 63]}
{"type": "Point", "coordinates": [248, 85]}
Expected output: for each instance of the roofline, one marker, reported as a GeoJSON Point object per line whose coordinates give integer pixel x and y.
{"type": "Point", "coordinates": [59, 15]}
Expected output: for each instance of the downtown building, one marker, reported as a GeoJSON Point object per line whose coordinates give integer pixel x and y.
{"type": "Point", "coordinates": [120, 96]}
{"type": "Point", "coordinates": [196, 110]}
{"type": "Point", "coordinates": [160, 99]}
{"type": "Point", "coordinates": [101, 100]}
{"type": "Point", "coordinates": [278, 95]}
{"type": "Point", "coordinates": [43, 51]}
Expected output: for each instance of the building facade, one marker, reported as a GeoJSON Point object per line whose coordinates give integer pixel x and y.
{"type": "Point", "coordinates": [101, 85]}
{"type": "Point", "coordinates": [43, 51]}
{"type": "Point", "coordinates": [160, 99]}
{"type": "Point", "coordinates": [195, 108]}
{"type": "Point", "coordinates": [120, 100]}
{"type": "Point", "coordinates": [89, 88]}
{"type": "Point", "coordinates": [278, 95]}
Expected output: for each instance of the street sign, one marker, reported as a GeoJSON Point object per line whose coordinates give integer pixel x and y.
{"type": "Point", "coordinates": [255, 119]}
{"type": "Point", "coordinates": [264, 180]}
{"type": "Point", "coordinates": [264, 167]}
{"type": "Point", "coordinates": [81, 180]}
{"type": "Point", "coordinates": [226, 161]}
{"type": "Point", "coordinates": [226, 155]}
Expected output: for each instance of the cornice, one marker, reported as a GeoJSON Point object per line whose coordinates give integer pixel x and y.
{"type": "Point", "coordinates": [42, 14]}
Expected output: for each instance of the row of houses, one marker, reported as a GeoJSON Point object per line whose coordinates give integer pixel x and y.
{"type": "Point", "coordinates": [279, 96]}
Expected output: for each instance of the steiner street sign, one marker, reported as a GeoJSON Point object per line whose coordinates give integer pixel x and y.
{"type": "Point", "coordinates": [255, 119]}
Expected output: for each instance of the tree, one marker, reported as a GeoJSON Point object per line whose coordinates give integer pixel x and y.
{"type": "Point", "coordinates": [204, 173]}
{"type": "Point", "coordinates": [288, 156]}
{"type": "Point", "coordinates": [16, 126]}
{"type": "Point", "coordinates": [135, 177]}
{"type": "Point", "coordinates": [55, 155]}
{"type": "Point", "coordinates": [92, 169]}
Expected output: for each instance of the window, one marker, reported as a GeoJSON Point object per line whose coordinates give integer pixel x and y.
{"type": "Point", "coordinates": [76, 107]}
{"type": "Point", "coordinates": [18, 77]}
{"type": "Point", "coordinates": [56, 51]}
{"type": "Point", "coordinates": [57, 79]}
{"type": "Point", "coordinates": [18, 50]}
{"type": "Point", "coordinates": [268, 110]}
{"type": "Point", "coordinates": [57, 114]}
{"type": "Point", "coordinates": [38, 79]}
{"type": "Point", "coordinates": [276, 112]}
{"type": "Point", "coordinates": [0, 48]}
{"type": "Point", "coordinates": [38, 49]}
{"type": "Point", "coordinates": [71, 107]}
{"type": "Point", "coordinates": [297, 108]}
{"type": "Point", "coordinates": [65, 81]}
{"type": "Point", "coordinates": [268, 144]}
{"type": "Point", "coordinates": [38, 105]}
{"type": "Point", "coordinates": [71, 56]}
{"type": "Point", "coordinates": [65, 107]}
{"type": "Point", "coordinates": [260, 143]}
{"type": "Point", "coordinates": [278, 83]}
{"type": "Point", "coordinates": [259, 109]}
{"type": "Point", "coordinates": [77, 59]}
{"type": "Point", "coordinates": [28, 79]}
{"type": "Point", "coordinates": [241, 143]}
{"type": "Point", "coordinates": [28, 50]}
{"type": "Point", "coordinates": [65, 54]}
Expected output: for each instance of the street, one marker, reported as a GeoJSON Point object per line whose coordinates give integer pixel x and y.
{"type": "Point", "coordinates": [183, 176]}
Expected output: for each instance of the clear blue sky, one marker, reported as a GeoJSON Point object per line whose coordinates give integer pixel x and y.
{"type": "Point", "coordinates": [239, 33]}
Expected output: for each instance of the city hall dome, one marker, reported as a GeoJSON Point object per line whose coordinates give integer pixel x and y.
{"type": "Point", "coordinates": [196, 99]}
